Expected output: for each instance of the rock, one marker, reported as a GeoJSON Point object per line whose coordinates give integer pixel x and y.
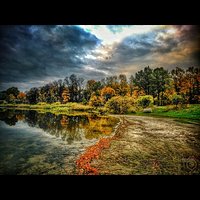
{"type": "Point", "coordinates": [147, 110]}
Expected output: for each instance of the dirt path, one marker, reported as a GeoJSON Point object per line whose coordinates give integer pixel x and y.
{"type": "Point", "coordinates": [149, 145]}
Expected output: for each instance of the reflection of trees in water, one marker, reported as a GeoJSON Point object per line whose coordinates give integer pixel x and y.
{"type": "Point", "coordinates": [98, 126]}
{"type": "Point", "coordinates": [10, 117]}
{"type": "Point", "coordinates": [65, 127]}
{"type": "Point", "coordinates": [68, 128]}
{"type": "Point", "coordinates": [31, 117]}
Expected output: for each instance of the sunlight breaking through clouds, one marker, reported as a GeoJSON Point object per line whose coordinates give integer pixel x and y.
{"type": "Point", "coordinates": [31, 54]}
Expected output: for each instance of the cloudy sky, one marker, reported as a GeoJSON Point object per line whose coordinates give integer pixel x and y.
{"type": "Point", "coordinates": [31, 56]}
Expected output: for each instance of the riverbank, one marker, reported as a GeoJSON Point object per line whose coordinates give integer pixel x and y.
{"type": "Point", "coordinates": [140, 144]}
{"type": "Point", "coordinates": [187, 114]}
{"type": "Point", "coordinates": [55, 108]}
{"type": "Point", "coordinates": [145, 146]}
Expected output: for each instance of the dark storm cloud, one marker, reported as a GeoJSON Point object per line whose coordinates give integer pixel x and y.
{"type": "Point", "coordinates": [158, 48]}
{"type": "Point", "coordinates": [34, 55]}
{"type": "Point", "coordinates": [37, 52]}
{"type": "Point", "coordinates": [140, 45]}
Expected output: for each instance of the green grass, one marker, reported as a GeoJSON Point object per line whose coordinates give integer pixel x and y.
{"type": "Point", "coordinates": [54, 107]}
{"type": "Point", "coordinates": [191, 112]}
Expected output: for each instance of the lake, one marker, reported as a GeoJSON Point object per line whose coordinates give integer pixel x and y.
{"type": "Point", "coordinates": [45, 143]}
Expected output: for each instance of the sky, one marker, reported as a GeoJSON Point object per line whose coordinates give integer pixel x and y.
{"type": "Point", "coordinates": [34, 55]}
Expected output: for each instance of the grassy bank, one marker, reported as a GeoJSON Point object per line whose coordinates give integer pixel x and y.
{"type": "Point", "coordinates": [54, 107]}
{"type": "Point", "coordinates": [191, 112]}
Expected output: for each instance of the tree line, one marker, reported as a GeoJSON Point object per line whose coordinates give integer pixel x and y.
{"type": "Point", "coordinates": [161, 84]}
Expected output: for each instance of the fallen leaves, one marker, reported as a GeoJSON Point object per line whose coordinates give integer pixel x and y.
{"type": "Point", "coordinates": [93, 152]}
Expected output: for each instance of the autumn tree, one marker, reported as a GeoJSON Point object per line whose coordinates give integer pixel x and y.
{"type": "Point", "coordinates": [192, 84]}
{"type": "Point", "coordinates": [65, 95]}
{"type": "Point", "coordinates": [111, 81]}
{"type": "Point", "coordinates": [187, 83]}
{"type": "Point", "coordinates": [178, 75]}
{"type": "Point", "coordinates": [21, 97]}
{"type": "Point", "coordinates": [119, 104]}
{"type": "Point", "coordinates": [96, 101]}
{"type": "Point", "coordinates": [169, 92]}
{"type": "Point", "coordinates": [123, 85]}
{"type": "Point", "coordinates": [107, 93]}
{"type": "Point", "coordinates": [92, 86]}
{"type": "Point", "coordinates": [131, 85]}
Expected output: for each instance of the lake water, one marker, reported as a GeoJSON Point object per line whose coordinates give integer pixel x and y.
{"type": "Point", "coordinates": [45, 143]}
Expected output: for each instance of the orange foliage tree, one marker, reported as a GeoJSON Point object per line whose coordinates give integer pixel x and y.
{"type": "Point", "coordinates": [107, 93]}
{"type": "Point", "coordinates": [65, 95]}
{"type": "Point", "coordinates": [21, 96]}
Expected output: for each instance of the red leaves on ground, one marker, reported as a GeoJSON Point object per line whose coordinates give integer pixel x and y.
{"type": "Point", "coordinates": [83, 163]}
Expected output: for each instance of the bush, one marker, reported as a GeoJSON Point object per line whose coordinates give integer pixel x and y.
{"type": "Point", "coordinates": [102, 110]}
{"type": "Point", "coordinates": [119, 105]}
{"type": "Point", "coordinates": [95, 101]}
{"type": "Point", "coordinates": [42, 103]}
{"type": "Point", "coordinates": [177, 99]}
{"type": "Point", "coordinates": [84, 101]}
{"type": "Point", "coordinates": [145, 101]}
{"type": "Point", "coordinates": [132, 110]}
{"type": "Point", "coordinates": [57, 103]}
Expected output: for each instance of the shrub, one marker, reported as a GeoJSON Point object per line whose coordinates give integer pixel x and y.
{"type": "Point", "coordinates": [57, 103]}
{"type": "Point", "coordinates": [119, 105]}
{"type": "Point", "coordinates": [145, 101]}
{"type": "Point", "coordinates": [95, 101]}
{"type": "Point", "coordinates": [132, 110]}
{"type": "Point", "coordinates": [177, 99]}
{"type": "Point", "coordinates": [84, 101]}
{"type": "Point", "coordinates": [102, 110]}
{"type": "Point", "coordinates": [42, 103]}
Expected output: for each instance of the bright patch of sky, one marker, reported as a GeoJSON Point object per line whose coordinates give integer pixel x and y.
{"type": "Point", "coordinates": [116, 33]}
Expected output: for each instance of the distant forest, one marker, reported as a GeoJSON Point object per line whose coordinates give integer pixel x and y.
{"type": "Point", "coordinates": [162, 85]}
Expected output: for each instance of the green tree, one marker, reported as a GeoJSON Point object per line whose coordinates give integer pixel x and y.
{"type": "Point", "coordinates": [32, 95]}
{"type": "Point", "coordinates": [92, 86]}
{"type": "Point", "coordinates": [160, 82]}
{"type": "Point", "coordinates": [178, 75]}
{"type": "Point", "coordinates": [12, 90]}
{"type": "Point", "coordinates": [75, 86]}
{"type": "Point", "coordinates": [11, 98]}
{"type": "Point", "coordinates": [144, 80]}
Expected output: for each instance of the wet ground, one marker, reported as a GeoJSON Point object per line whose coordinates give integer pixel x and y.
{"type": "Point", "coordinates": [149, 145]}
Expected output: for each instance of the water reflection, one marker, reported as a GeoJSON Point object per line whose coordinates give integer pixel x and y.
{"type": "Point", "coordinates": [67, 128]}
